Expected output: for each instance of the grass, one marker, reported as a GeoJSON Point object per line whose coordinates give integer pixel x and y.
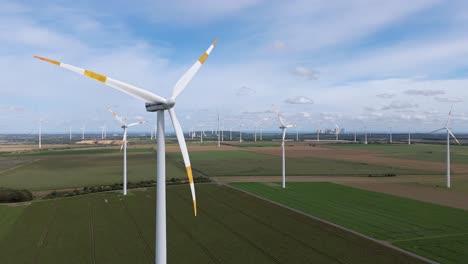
{"type": "Point", "coordinates": [60, 172]}
{"type": "Point", "coordinates": [232, 227]}
{"type": "Point", "coordinates": [244, 163]}
{"type": "Point", "coordinates": [410, 224]}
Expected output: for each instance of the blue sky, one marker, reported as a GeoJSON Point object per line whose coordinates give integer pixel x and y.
{"type": "Point", "coordinates": [353, 63]}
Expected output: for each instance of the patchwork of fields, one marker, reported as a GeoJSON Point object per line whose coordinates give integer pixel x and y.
{"type": "Point", "coordinates": [97, 228]}
{"type": "Point", "coordinates": [410, 224]}
{"type": "Point", "coordinates": [232, 227]}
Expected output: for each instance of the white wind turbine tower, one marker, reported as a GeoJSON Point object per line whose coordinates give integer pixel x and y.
{"type": "Point", "coordinates": [240, 132]}
{"type": "Point", "coordinates": [391, 136]}
{"type": "Point", "coordinates": [409, 136]}
{"type": "Point", "coordinates": [82, 131]}
{"type": "Point", "coordinates": [41, 121]}
{"type": "Point", "coordinates": [355, 138]}
{"type": "Point", "coordinates": [155, 103]}
{"type": "Point", "coordinates": [337, 132]}
{"type": "Point", "coordinates": [124, 125]}
{"type": "Point", "coordinates": [449, 133]}
{"type": "Point", "coordinates": [318, 135]}
{"type": "Point", "coordinates": [255, 137]}
{"type": "Point", "coordinates": [230, 134]}
{"type": "Point", "coordinates": [219, 134]}
{"type": "Point", "coordinates": [365, 135]}
{"type": "Point", "coordinates": [297, 134]}
{"type": "Point", "coordinates": [102, 131]}
{"type": "Point", "coordinates": [283, 128]}
{"type": "Point", "coordinates": [70, 133]}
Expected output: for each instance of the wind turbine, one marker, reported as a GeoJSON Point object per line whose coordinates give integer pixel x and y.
{"type": "Point", "coordinates": [318, 135]}
{"type": "Point", "coordinates": [230, 134]}
{"type": "Point", "coordinates": [355, 139]}
{"type": "Point", "coordinates": [219, 134]}
{"type": "Point", "coordinates": [70, 133]}
{"type": "Point", "coordinates": [82, 131]}
{"type": "Point", "coordinates": [40, 131]}
{"type": "Point", "coordinates": [124, 125]}
{"type": "Point", "coordinates": [365, 135]}
{"type": "Point", "coordinates": [155, 103]}
{"type": "Point", "coordinates": [449, 133]}
{"type": "Point", "coordinates": [337, 132]}
{"type": "Point", "coordinates": [240, 132]}
{"type": "Point", "coordinates": [409, 136]}
{"type": "Point", "coordinates": [391, 136]}
{"type": "Point", "coordinates": [283, 128]}
{"type": "Point", "coordinates": [297, 134]}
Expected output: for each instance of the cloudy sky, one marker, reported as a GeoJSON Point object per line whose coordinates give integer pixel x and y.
{"type": "Point", "coordinates": [379, 63]}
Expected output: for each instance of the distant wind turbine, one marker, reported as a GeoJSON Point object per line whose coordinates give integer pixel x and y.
{"type": "Point", "coordinates": [124, 125]}
{"type": "Point", "coordinates": [283, 127]}
{"type": "Point", "coordinates": [41, 121]}
{"type": "Point", "coordinates": [449, 133]}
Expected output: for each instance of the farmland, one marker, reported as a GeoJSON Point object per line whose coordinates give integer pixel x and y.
{"type": "Point", "coordinates": [426, 229]}
{"type": "Point", "coordinates": [110, 228]}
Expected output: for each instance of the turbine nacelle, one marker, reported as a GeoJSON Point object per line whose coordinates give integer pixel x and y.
{"type": "Point", "coordinates": [153, 107]}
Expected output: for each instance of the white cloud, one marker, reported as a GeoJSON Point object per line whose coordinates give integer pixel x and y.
{"type": "Point", "coordinates": [299, 100]}
{"type": "Point", "coordinates": [305, 72]}
{"type": "Point", "coordinates": [448, 99]}
{"type": "Point", "coordinates": [424, 92]}
{"type": "Point", "coordinates": [245, 91]}
{"type": "Point", "coordinates": [386, 95]}
{"type": "Point", "coordinates": [399, 105]}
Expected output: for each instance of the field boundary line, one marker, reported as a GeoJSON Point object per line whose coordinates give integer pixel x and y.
{"type": "Point", "coordinates": [91, 232]}
{"type": "Point", "coordinates": [384, 243]}
{"type": "Point", "coordinates": [19, 166]}
{"type": "Point", "coordinates": [428, 237]}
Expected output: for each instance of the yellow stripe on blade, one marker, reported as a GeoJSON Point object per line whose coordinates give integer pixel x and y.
{"type": "Point", "coordinates": [48, 60]}
{"type": "Point", "coordinates": [189, 174]}
{"type": "Point", "coordinates": [203, 58]}
{"type": "Point", "coordinates": [96, 76]}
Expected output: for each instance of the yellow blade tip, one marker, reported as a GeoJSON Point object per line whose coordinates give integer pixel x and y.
{"type": "Point", "coordinates": [48, 60]}
{"type": "Point", "coordinates": [195, 207]}
{"type": "Point", "coordinates": [215, 41]}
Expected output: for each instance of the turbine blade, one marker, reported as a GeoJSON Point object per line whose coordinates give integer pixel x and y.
{"type": "Point", "coordinates": [187, 77]}
{"type": "Point", "coordinates": [280, 119]}
{"type": "Point", "coordinates": [117, 117]}
{"type": "Point", "coordinates": [137, 123]}
{"type": "Point", "coordinates": [450, 132]}
{"type": "Point", "coordinates": [449, 116]}
{"type": "Point", "coordinates": [116, 84]}
{"type": "Point", "coordinates": [437, 130]}
{"type": "Point", "coordinates": [185, 155]}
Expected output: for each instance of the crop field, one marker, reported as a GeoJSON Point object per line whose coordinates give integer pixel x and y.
{"type": "Point", "coordinates": [436, 153]}
{"type": "Point", "coordinates": [433, 231]}
{"type": "Point", "coordinates": [49, 171]}
{"type": "Point", "coordinates": [244, 163]}
{"type": "Point", "coordinates": [232, 227]}
{"type": "Point", "coordinates": [60, 169]}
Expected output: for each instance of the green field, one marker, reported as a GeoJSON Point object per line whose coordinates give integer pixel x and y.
{"type": "Point", "coordinates": [433, 231]}
{"type": "Point", "coordinates": [436, 153]}
{"type": "Point", "coordinates": [244, 163]}
{"type": "Point", "coordinates": [70, 171]}
{"type": "Point", "coordinates": [49, 170]}
{"type": "Point", "coordinates": [232, 227]}
{"type": "Point", "coordinates": [62, 152]}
